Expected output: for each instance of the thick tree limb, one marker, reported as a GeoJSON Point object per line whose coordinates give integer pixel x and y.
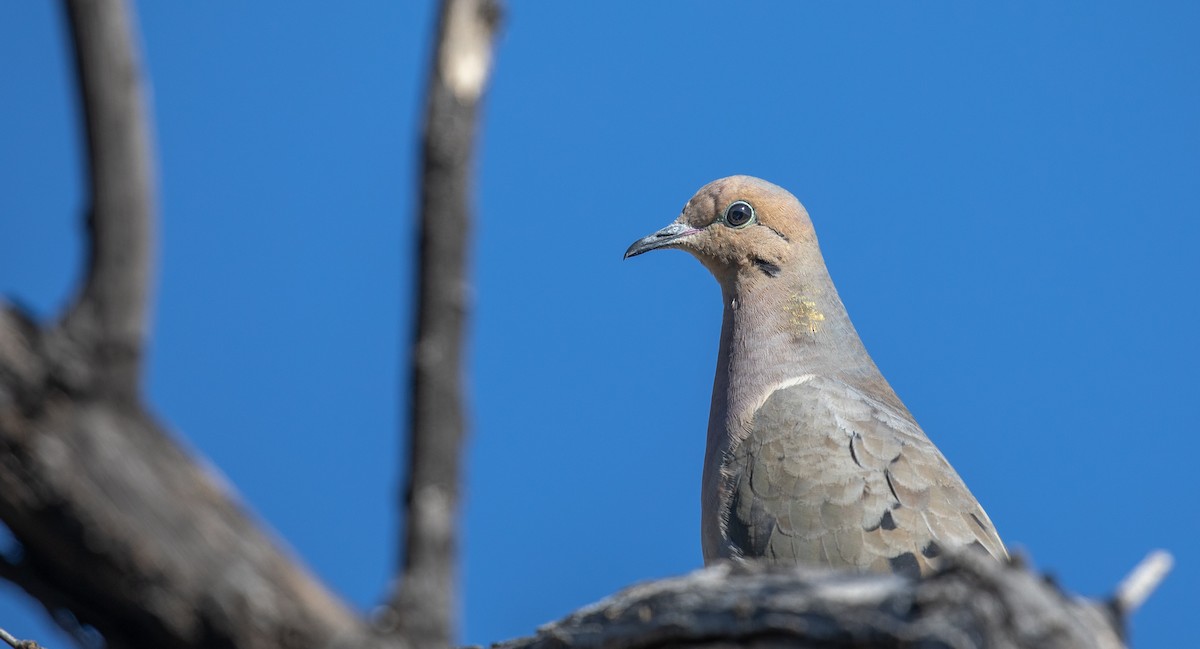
{"type": "Point", "coordinates": [425, 602]}
{"type": "Point", "coordinates": [972, 603]}
{"type": "Point", "coordinates": [117, 524]}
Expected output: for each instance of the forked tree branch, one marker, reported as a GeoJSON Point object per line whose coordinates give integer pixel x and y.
{"type": "Point", "coordinates": [109, 319]}
{"type": "Point", "coordinates": [119, 525]}
{"type": "Point", "coordinates": [116, 523]}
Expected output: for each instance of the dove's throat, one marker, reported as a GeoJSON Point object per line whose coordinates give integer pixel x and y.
{"type": "Point", "coordinates": [775, 332]}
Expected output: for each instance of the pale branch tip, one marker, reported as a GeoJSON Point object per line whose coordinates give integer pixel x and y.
{"type": "Point", "coordinates": [1141, 582]}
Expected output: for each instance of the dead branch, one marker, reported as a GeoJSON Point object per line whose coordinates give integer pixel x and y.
{"type": "Point", "coordinates": [107, 324]}
{"type": "Point", "coordinates": [973, 602]}
{"type": "Point", "coordinates": [1133, 591]}
{"type": "Point", "coordinates": [117, 523]}
{"type": "Point", "coordinates": [423, 607]}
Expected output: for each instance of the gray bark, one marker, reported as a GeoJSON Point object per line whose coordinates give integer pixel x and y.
{"type": "Point", "coordinates": [117, 523]}
{"type": "Point", "coordinates": [424, 606]}
{"type": "Point", "coordinates": [122, 528]}
{"type": "Point", "coordinates": [107, 323]}
{"type": "Point", "coordinates": [974, 602]}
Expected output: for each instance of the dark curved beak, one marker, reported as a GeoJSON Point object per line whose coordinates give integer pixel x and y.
{"type": "Point", "coordinates": [662, 239]}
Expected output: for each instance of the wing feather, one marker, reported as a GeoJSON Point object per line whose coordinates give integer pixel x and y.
{"type": "Point", "coordinates": [829, 475]}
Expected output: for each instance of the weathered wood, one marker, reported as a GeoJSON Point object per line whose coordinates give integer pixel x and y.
{"type": "Point", "coordinates": [116, 522]}
{"type": "Point", "coordinates": [118, 525]}
{"type": "Point", "coordinates": [107, 322]}
{"type": "Point", "coordinates": [424, 604]}
{"type": "Point", "coordinates": [974, 602]}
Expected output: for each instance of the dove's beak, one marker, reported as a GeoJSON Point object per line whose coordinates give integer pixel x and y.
{"type": "Point", "coordinates": [667, 237]}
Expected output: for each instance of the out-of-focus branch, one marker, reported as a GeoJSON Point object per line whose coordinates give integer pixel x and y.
{"type": "Point", "coordinates": [121, 527]}
{"type": "Point", "coordinates": [118, 525]}
{"type": "Point", "coordinates": [108, 322]}
{"type": "Point", "coordinates": [1133, 591]}
{"type": "Point", "coordinates": [424, 603]}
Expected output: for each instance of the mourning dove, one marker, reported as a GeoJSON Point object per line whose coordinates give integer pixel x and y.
{"type": "Point", "coordinates": [811, 457]}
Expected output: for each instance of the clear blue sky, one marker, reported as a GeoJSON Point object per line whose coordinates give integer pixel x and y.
{"type": "Point", "coordinates": [1005, 194]}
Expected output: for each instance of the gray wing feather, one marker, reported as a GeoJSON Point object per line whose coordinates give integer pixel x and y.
{"type": "Point", "coordinates": [829, 475]}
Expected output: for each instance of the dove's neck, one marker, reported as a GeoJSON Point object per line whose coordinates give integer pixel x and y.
{"type": "Point", "coordinates": [781, 329]}
{"type": "Point", "coordinates": [777, 331]}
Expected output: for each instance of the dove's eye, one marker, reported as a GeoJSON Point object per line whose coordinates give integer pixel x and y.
{"type": "Point", "coordinates": [739, 214]}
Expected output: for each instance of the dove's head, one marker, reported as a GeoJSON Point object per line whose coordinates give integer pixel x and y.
{"type": "Point", "coordinates": [737, 225]}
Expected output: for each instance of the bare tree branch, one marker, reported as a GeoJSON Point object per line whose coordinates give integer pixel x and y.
{"type": "Point", "coordinates": [119, 526]}
{"type": "Point", "coordinates": [117, 523]}
{"type": "Point", "coordinates": [425, 601]}
{"type": "Point", "coordinates": [1132, 592]}
{"type": "Point", "coordinates": [109, 319]}
{"type": "Point", "coordinates": [974, 602]}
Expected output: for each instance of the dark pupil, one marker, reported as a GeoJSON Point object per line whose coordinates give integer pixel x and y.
{"type": "Point", "coordinates": [739, 214]}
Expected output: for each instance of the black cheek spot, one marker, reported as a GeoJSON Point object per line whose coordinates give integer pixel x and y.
{"type": "Point", "coordinates": [767, 267]}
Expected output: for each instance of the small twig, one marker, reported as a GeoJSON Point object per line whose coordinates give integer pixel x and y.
{"type": "Point", "coordinates": [18, 644]}
{"type": "Point", "coordinates": [1133, 591]}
